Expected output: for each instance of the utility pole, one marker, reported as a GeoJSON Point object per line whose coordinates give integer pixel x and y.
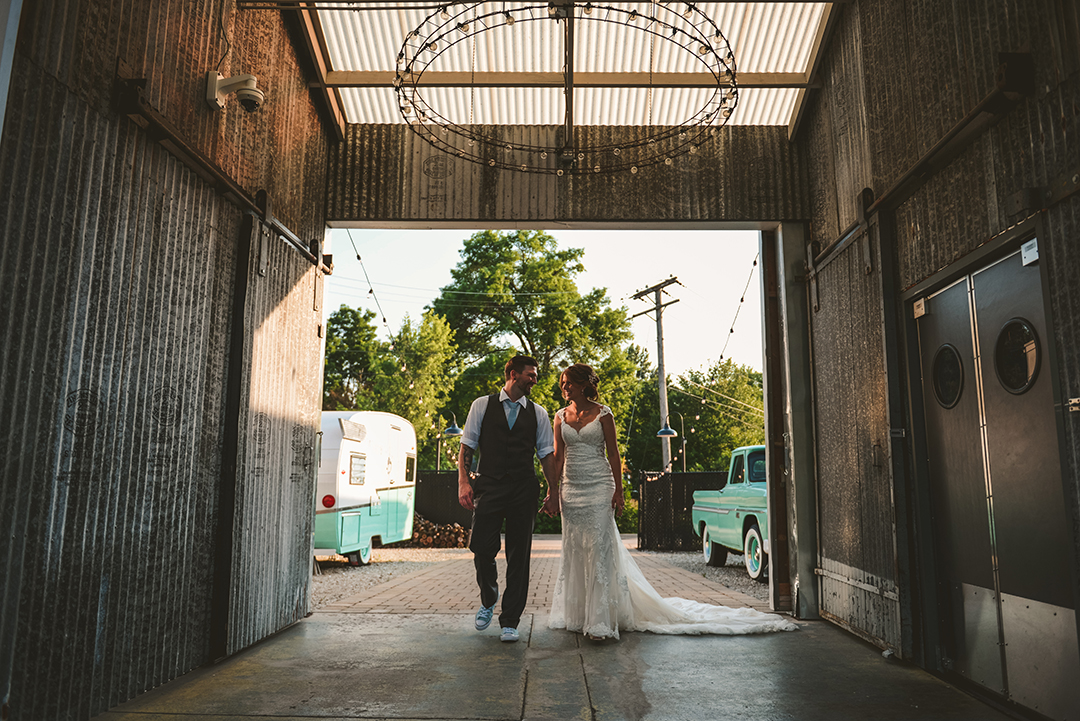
{"type": "Point", "coordinates": [665, 443]}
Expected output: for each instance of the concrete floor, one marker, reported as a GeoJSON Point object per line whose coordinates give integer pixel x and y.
{"type": "Point", "coordinates": [405, 665]}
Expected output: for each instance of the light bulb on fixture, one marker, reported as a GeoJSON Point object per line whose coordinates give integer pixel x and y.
{"type": "Point", "coordinates": [660, 144]}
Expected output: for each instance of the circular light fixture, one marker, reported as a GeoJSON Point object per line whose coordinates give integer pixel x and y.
{"type": "Point", "coordinates": [684, 26]}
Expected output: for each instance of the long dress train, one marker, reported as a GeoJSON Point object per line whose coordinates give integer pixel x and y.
{"type": "Point", "coordinates": [600, 590]}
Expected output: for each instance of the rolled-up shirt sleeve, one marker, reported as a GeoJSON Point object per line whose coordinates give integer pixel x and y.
{"type": "Point", "coordinates": [545, 438]}
{"type": "Point", "coordinates": [470, 434]}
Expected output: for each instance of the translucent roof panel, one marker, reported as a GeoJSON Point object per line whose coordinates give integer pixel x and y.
{"type": "Point", "coordinates": [486, 70]}
{"type": "Point", "coordinates": [592, 106]}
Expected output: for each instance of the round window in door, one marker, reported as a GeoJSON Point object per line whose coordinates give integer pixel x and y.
{"type": "Point", "coordinates": [1016, 356]}
{"type": "Point", "coordinates": [948, 374]}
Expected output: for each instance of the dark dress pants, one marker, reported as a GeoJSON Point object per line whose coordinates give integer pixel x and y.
{"type": "Point", "coordinates": [515, 502]}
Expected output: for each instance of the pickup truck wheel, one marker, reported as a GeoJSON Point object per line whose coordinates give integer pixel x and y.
{"type": "Point", "coordinates": [715, 554]}
{"type": "Point", "coordinates": [361, 557]}
{"type": "Point", "coordinates": [754, 554]}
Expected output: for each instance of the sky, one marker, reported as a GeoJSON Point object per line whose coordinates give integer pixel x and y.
{"type": "Point", "coordinates": [406, 269]}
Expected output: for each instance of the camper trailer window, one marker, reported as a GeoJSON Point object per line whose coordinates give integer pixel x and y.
{"type": "Point", "coordinates": [410, 469]}
{"type": "Point", "coordinates": [357, 468]}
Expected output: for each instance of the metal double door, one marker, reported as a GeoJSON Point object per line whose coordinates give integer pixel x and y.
{"type": "Point", "coordinates": [1000, 533]}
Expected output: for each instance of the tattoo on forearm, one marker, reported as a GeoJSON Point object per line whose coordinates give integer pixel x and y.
{"type": "Point", "coordinates": [466, 457]}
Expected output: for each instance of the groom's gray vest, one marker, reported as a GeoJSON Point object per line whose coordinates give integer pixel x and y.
{"type": "Point", "coordinates": [506, 451]}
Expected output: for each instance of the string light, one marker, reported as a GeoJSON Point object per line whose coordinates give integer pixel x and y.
{"type": "Point", "coordinates": [687, 27]}
{"type": "Point", "coordinates": [731, 331]}
{"type": "Point", "coordinates": [729, 398]}
{"type": "Point", "coordinates": [720, 409]}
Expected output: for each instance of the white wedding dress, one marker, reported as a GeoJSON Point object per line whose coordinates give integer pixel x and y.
{"type": "Point", "coordinates": [600, 591]}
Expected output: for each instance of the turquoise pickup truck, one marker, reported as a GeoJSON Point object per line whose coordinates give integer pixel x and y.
{"type": "Point", "coordinates": [734, 517]}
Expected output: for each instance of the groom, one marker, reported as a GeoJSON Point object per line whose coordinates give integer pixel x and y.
{"type": "Point", "coordinates": [506, 428]}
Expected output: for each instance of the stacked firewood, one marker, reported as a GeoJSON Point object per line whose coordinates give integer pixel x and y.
{"type": "Point", "coordinates": [432, 535]}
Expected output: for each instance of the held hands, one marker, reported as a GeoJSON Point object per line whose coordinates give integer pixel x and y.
{"type": "Point", "coordinates": [551, 505]}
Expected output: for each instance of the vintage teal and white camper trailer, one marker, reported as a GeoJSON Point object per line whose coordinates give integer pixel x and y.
{"type": "Point", "coordinates": [367, 483]}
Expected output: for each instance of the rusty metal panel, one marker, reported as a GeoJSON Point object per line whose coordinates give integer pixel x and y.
{"type": "Point", "coordinates": [950, 65]}
{"type": "Point", "coordinates": [863, 603]}
{"type": "Point", "coordinates": [172, 44]}
{"type": "Point", "coordinates": [385, 174]}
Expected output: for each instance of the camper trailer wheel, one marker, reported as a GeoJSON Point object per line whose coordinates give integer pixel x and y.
{"type": "Point", "coordinates": [361, 557]}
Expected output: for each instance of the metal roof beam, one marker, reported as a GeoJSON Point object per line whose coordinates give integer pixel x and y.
{"type": "Point", "coordinates": [369, 5]}
{"type": "Point", "coordinates": [450, 79]}
{"type": "Point", "coordinates": [821, 38]}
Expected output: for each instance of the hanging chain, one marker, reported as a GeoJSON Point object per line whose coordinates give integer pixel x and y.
{"type": "Point", "coordinates": [652, 46]}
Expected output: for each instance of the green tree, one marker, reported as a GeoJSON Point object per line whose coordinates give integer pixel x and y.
{"type": "Point", "coordinates": [352, 350]}
{"type": "Point", "coordinates": [516, 292]}
{"type": "Point", "coordinates": [411, 376]}
{"type": "Point", "coordinates": [414, 380]}
{"type": "Point", "coordinates": [722, 408]}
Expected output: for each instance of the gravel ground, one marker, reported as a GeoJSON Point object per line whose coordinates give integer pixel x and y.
{"type": "Point", "coordinates": [338, 580]}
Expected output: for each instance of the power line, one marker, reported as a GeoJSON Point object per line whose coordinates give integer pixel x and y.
{"type": "Point", "coordinates": [733, 409]}
{"type": "Point", "coordinates": [734, 400]}
{"type": "Point", "coordinates": [718, 409]}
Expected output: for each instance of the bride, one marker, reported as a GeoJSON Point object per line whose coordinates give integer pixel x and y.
{"type": "Point", "coordinates": [600, 590]}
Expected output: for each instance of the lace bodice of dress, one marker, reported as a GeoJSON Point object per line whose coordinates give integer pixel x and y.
{"type": "Point", "coordinates": [586, 460]}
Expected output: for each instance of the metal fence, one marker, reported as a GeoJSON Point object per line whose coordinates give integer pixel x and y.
{"type": "Point", "coordinates": [665, 521]}
{"type": "Point", "coordinates": [437, 498]}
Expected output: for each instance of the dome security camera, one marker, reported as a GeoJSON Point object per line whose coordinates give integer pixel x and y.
{"type": "Point", "coordinates": [217, 88]}
{"type": "Point", "coordinates": [251, 99]}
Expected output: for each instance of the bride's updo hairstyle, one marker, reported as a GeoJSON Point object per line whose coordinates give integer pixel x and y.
{"type": "Point", "coordinates": [585, 377]}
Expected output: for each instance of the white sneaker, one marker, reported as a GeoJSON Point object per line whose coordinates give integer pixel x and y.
{"type": "Point", "coordinates": [509, 635]}
{"type": "Point", "coordinates": [483, 616]}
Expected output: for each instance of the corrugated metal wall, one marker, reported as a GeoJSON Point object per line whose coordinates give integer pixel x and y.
{"type": "Point", "coordinates": [117, 285]}
{"type": "Point", "coordinates": [856, 539]}
{"type": "Point", "coordinates": [116, 298]}
{"type": "Point", "coordinates": [276, 468]}
{"type": "Point", "coordinates": [385, 174]}
{"type": "Point", "coordinates": [897, 76]}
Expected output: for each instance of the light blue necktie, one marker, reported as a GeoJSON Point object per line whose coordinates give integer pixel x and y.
{"type": "Point", "coordinates": [511, 416]}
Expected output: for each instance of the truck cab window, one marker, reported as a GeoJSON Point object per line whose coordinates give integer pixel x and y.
{"type": "Point", "coordinates": [757, 467]}
{"type": "Point", "coordinates": [737, 471]}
